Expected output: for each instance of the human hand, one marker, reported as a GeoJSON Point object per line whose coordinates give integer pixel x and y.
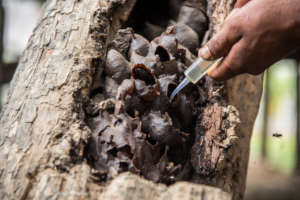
{"type": "Point", "coordinates": [254, 37]}
{"type": "Point", "coordinates": [241, 3]}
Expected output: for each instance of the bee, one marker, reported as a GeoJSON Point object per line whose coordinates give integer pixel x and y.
{"type": "Point", "coordinates": [278, 135]}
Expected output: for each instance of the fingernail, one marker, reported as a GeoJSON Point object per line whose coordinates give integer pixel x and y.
{"type": "Point", "coordinates": [204, 52]}
{"type": "Point", "coordinates": [214, 67]}
{"type": "Point", "coordinates": [213, 73]}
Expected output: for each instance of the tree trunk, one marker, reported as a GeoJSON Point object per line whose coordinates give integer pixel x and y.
{"type": "Point", "coordinates": [44, 134]}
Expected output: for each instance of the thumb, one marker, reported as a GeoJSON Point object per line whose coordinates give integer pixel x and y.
{"type": "Point", "coordinates": [221, 43]}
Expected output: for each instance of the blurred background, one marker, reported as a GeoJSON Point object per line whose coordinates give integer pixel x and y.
{"type": "Point", "coordinates": [274, 167]}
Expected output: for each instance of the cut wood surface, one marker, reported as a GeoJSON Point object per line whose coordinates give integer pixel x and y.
{"type": "Point", "coordinates": [43, 135]}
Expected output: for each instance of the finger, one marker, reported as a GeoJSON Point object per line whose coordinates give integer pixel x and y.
{"type": "Point", "coordinates": [231, 65]}
{"type": "Point", "coordinates": [221, 43]}
{"type": "Point", "coordinates": [295, 54]}
{"type": "Point", "coordinates": [241, 3]}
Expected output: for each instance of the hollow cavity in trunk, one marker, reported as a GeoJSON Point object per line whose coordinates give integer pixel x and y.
{"type": "Point", "coordinates": [135, 126]}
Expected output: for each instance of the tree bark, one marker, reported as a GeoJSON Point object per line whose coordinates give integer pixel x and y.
{"type": "Point", "coordinates": [43, 130]}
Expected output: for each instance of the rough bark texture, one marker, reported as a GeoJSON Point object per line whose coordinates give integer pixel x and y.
{"type": "Point", "coordinates": [43, 132]}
